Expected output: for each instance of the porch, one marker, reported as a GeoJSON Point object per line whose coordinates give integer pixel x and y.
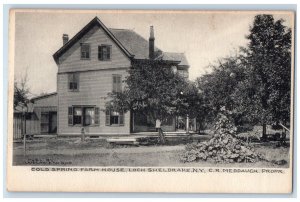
{"type": "Point", "coordinates": [141, 123]}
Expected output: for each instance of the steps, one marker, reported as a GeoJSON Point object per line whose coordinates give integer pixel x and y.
{"type": "Point", "coordinates": [123, 140]}
{"type": "Point", "coordinates": [137, 138]}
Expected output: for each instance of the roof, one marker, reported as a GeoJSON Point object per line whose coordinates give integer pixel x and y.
{"type": "Point", "coordinates": [82, 32]}
{"type": "Point", "coordinates": [131, 43]}
{"type": "Point", "coordinates": [175, 56]}
{"type": "Point", "coordinates": [24, 108]}
{"type": "Point", "coordinates": [134, 43]}
{"type": "Point", "coordinates": [43, 96]}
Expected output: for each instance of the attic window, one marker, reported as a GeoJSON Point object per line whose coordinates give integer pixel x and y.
{"type": "Point", "coordinates": [85, 51]}
{"type": "Point", "coordinates": [104, 52]}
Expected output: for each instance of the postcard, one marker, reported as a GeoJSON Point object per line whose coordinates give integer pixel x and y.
{"type": "Point", "coordinates": [150, 101]}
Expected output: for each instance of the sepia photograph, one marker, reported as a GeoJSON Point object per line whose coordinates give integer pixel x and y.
{"type": "Point", "coordinates": [145, 92]}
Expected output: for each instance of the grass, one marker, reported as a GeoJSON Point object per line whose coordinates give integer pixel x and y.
{"type": "Point", "coordinates": [97, 152]}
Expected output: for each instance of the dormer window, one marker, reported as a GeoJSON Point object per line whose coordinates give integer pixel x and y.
{"type": "Point", "coordinates": [85, 51]}
{"type": "Point", "coordinates": [104, 52]}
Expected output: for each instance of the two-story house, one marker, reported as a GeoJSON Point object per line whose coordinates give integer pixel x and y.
{"type": "Point", "coordinates": [95, 62]}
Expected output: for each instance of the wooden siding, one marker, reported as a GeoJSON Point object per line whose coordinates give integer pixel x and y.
{"type": "Point", "coordinates": [41, 105]}
{"type": "Point", "coordinates": [46, 101]}
{"type": "Point", "coordinates": [71, 60]}
{"type": "Point", "coordinates": [93, 89]}
{"type": "Point", "coordinates": [95, 82]}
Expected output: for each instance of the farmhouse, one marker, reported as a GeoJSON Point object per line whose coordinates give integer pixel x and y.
{"type": "Point", "coordinates": [93, 63]}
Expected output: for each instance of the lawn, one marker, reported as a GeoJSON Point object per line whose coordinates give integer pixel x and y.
{"type": "Point", "coordinates": [97, 152]}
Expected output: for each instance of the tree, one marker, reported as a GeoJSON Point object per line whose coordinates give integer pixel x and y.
{"type": "Point", "coordinates": [254, 84]}
{"type": "Point", "coordinates": [152, 88]}
{"type": "Point", "coordinates": [268, 58]}
{"type": "Point", "coordinates": [21, 91]}
{"type": "Point", "coordinates": [217, 87]}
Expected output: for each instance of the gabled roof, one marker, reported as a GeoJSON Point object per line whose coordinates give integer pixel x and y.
{"type": "Point", "coordinates": [132, 44]}
{"type": "Point", "coordinates": [82, 32]}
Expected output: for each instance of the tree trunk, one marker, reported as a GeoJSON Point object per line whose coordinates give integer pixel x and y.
{"type": "Point", "coordinates": [161, 134]}
{"type": "Point", "coordinates": [82, 134]}
{"type": "Point", "coordinates": [162, 137]}
{"type": "Point", "coordinates": [187, 124]}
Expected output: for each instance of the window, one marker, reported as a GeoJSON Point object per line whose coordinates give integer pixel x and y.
{"type": "Point", "coordinates": [114, 118]}
{"type": "Point", "coordinates": [44, 122]}
{"type": "Point", "coordinates": [89, 116]}
{"type": "Point", "coordinates": [183, 73]}
{"type": "Point", "coordinates": [117, 83]}
{"type": "Point", "coordinates": [77, 116]}
{"type": "Point", "coordinates": [73, 81]}
{"type": "Point", "coordinates": [104, 52]}
{"type": "Point", "coordinates": [168, 121]}
{"type": "Point", "coordinates": [85, 51]}
{"type": "Point", "coordinates": [83, 115]}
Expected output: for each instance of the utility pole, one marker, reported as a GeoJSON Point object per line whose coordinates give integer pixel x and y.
{"type": "Point", "coordinates": [187, 124]}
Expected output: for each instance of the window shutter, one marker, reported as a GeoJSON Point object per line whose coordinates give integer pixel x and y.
{"type": "Point", "coordinates": [100, 54]}
{"type": "Point", "coordinates": [121, 118]}
{"type": "Point", "coordinates": [119, 84]}
{"type": "Point", "coordinates": [76, 80]}
{"type": "Point", "coordinates": [70, 116]}
{"type": "Point", "coordinates": [97, 121]}
{"type": "Point", "coordinates": [114, 83]}
{"type": "Point", "coordinates": [70, 80]}
{"type": "Point", "coordinates": [88, 50]}
{"type": "Point", "coordinates": [82, 53]}
{"type": "Point", "coordinates": [108, 52]}
{"type": "Point", "coordinates": [107, 118]}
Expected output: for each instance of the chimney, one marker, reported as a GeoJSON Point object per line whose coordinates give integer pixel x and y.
{"type": "Point", "coordinates": [151, 43]}
{"type": "Point", "coordinates": [65, 38]}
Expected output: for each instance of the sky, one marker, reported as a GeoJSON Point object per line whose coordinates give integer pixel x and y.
{"type": "Point", "coordinates": [204, 37]}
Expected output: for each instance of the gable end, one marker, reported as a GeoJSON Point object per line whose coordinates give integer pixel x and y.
{"type": "Point", "coordinates": [82, 32]}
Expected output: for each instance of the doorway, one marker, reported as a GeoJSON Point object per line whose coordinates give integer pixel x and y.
{"type": "Point", "coordinates": [52, 122]}
{"type": "Point", "coordinates": [49, 122]}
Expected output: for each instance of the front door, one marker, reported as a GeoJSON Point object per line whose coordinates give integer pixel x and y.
{"type": "Point", "coordinates": [180, 124]}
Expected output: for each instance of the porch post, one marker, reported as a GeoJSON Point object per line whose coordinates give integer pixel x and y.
{"type": "Point", "coordinates": [187, 123]}
{"type": "Point", "coordinates": [133, 130]}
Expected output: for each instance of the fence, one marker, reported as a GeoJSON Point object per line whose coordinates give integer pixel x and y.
{"type": "Point", "coordinates": [19, 126]}
{"type": "Point", "coordinates": [27, 124]}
